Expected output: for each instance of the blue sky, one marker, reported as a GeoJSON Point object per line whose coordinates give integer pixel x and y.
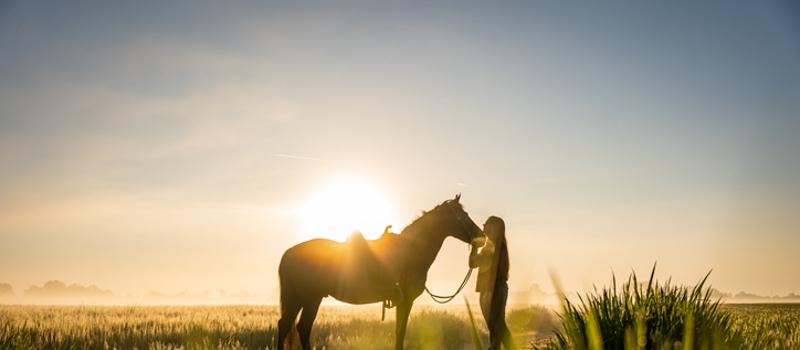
{"type": "Point", "coordinates": [144, 139]}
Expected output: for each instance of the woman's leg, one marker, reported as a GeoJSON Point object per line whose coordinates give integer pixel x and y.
{"type": "Point", "coordinates": [493, 315]}
{"type": "Point", "coordinates": [486, 308]}
{"type": "Point", "coordinates": [499, 332]}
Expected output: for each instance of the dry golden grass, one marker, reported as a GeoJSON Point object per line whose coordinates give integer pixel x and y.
{"type": "Point", "coordinates": [240, 327]}
{"type": "Point", "coordinates": [253, 327]}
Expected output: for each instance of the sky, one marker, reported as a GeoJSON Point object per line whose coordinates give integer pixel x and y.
{"type": "Point", "coordinates": [173, 146]}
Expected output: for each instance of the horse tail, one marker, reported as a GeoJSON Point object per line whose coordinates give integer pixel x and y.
{"type": "Point", "coordinates": [283, 286]}
{"type": "Point", "coordinates": [287, 288]}
{"type": "Point", "coordinates": [289, 306]}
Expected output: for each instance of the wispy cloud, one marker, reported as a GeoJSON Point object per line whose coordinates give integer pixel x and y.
{"type": "Point", "coordinates": [293, 156]}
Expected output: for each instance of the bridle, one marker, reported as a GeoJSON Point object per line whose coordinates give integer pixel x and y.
{"type": "Point", "coordinates": [444, 299]}
{"type": "Point", "coordinates": [464, 226]}
{"type": "Point", "coordinates": [440, 299]}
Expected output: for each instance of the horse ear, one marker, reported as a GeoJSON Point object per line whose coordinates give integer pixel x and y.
{"type": "Point", "coordinates": [458, 197]}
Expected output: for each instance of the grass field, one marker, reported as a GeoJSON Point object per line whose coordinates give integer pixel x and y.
{"type": "Point", "coordinates": [240, 327]}
{"type": "Point", "coordinates": [252, 327]}
{"type": "Point", "coordinates": [767, 326]}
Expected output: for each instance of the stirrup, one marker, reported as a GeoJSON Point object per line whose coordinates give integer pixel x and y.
{"type": "Point", "coordinates": [387, 304]}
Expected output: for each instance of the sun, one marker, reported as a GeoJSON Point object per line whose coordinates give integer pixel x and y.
{"type": "Point", "coordinates": [345, 204]}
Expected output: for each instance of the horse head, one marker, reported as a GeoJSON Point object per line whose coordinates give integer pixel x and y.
{"type": "Point", "coordinates": [455, 221]}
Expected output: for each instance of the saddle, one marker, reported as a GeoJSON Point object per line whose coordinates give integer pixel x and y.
{"type": "Point", "coordinates": [361, 252]}
{"type": "Point", "coordinates": [362, 266]}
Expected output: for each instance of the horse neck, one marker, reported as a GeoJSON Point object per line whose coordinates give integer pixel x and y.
{"type": "Point", "coordinates": [422, 244]}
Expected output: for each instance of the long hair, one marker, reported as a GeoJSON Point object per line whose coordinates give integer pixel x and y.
{"type": "Point", "coordinates": [501, 245]}
{"type": "Point", "coordinates": [500, 226]}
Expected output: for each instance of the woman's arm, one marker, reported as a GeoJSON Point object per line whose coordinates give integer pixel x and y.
{"type": "Point", "coordinates": [483, 258]}
{"type": "Point", "coordinates": [473, 256]}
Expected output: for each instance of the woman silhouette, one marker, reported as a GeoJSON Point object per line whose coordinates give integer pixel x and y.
{"type": "Point", "coordinates": [492, 263]}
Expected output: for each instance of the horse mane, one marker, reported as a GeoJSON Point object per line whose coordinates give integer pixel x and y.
{"type": "Point", "coordinates": [419, 221]}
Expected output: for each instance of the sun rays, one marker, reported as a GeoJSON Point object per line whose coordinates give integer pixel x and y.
{"type": "Point", "coordinates": [343, 204]}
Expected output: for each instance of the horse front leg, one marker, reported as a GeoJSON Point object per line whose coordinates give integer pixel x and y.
{"type": "Point", "coordinates": [401, 320]}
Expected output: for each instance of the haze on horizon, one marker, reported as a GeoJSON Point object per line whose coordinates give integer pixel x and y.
{"type": "Point", "coordinates": [170, 147]}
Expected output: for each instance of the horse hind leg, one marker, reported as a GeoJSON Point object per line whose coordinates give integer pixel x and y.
{"type": "Point", "coordinates": [310, 309]}
{"type": "Point", "coordinates": [289, 311]}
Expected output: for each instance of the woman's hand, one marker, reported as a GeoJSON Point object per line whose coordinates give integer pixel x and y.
{"type": "Point", "coordinates": [478, 242]}
{"type": "Point", "coordinates": [475, 244]}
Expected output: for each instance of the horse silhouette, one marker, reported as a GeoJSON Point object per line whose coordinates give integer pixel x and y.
{"type": "Point", "coordinates": [392, 268]}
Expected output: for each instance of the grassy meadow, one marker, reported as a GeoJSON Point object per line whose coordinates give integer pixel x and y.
{"type": "Point", "coordinates": [763, 326]}
{"type": "Point", "coordinates": [767, 326]}
{"type": "Point", "coordinates": [240, 327]}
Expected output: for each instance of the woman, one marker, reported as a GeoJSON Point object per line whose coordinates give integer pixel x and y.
{"type": "Point", "coordinates": [492, 264]}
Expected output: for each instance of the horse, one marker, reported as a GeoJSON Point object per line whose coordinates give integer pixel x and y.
{"type": "Point", "coordinates": [393, 269]}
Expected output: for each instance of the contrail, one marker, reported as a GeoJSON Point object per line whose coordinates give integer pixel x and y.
{"type": "Point", "coordinates": [291, 156]}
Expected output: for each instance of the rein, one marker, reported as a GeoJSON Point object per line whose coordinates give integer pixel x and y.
{"type": "Point", "coordinates": [444, 299]}
{"type": "Point", "coordinates": [439, 299]}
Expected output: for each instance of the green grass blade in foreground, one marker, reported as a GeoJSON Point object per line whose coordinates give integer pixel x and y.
{"type": "Point", "coordinates": [651, 315]}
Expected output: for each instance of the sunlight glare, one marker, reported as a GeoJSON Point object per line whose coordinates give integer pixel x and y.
{"type": "Point", "coordinates": [343, 205]}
